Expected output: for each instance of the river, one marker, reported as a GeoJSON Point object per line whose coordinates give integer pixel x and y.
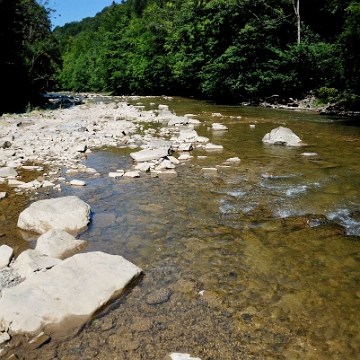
{"type": "Point", "coordinates": [261, 258]}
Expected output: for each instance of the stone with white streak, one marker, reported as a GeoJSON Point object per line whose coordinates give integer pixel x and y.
{"type": "Point", "coordinates": [234, 159]}
{"type": "Point", "coordinates": [211, 146]}
{"type": "Point", "coordinates": [180, 356]}
{"type": "Point", "coordinates": [59, 244]}
{"type": "Point", "coordinates": [16, 183]}
{"type": "Point", "coordinates": [66, 295]}
{"type": "Point", "coordinates": [68, 213]}
{"type": "Point", "coordinates": [185, 157]}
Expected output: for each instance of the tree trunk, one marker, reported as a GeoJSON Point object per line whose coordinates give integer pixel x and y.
{"type": "Point", "coordinates": [296, 4]}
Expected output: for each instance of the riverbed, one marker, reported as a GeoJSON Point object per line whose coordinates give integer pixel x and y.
{"type": "Point", "coordinates": [260, 258]}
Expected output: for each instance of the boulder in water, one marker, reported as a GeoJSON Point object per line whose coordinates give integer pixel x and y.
{"type": "Point", "coordinates": [282, 136]}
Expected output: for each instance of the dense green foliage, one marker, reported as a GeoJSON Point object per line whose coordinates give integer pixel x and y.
{"type": "Point", "coordinates": [228, 50]}
{"type": "Point", "coordinates": [30, 56]}
{"type": "Point", "coordinates": [220, 49]}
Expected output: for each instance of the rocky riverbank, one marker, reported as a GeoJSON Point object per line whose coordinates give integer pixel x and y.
{"type": "Point", "coordinates": [58, 139]}
{"type": "Point", "coordinates": [63, 138]}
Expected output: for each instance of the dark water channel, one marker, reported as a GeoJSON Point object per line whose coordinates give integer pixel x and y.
{"type": "Point", "coordinates": [273, 241]}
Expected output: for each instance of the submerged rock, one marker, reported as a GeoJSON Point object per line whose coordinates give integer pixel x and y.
{"type": "Point", "coordinates": [158, 296]}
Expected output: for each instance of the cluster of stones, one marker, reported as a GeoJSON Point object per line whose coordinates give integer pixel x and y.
{"type": "Point", "coordinates": [45, 288]}
{"type": "Point", "coordinates": [49, 286]}
{"type": "Point", "coordinates": [62, 139]}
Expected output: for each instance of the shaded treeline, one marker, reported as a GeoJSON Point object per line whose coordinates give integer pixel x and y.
{"type": "Point", "coordinates": [30, 55]}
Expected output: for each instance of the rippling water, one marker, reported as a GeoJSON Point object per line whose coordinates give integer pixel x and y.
{"type": "Point", "coordinates": [261, 259]}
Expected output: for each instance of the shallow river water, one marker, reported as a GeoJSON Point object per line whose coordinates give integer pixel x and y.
{"type": "Point", "coordinates": [260, 260]}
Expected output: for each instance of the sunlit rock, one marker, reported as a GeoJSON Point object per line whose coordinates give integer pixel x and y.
{"type": "Point", "coordinates": [66, 295]}
{"type": "Point", "coordinates": [8, 172]}
{"type": "Point", "coordinates": [219, 127]}
{"type": "Point", "coordinates": [282, 136]}
{"type": "Point", "coordinates": [59, 244]}
{"type": "Point", "coordinates": [68, 213]}
{"type": "Point", "coordinates": [149, 154]}
{"type": "Point", "coordinates": [76, 182]}
{"type": "Point", "coordinates": [180, 356]}
{"type": "Point", "coordinates": [31, 261]}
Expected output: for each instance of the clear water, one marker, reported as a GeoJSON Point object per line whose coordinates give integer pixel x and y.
{"type": "Point", "coordinates": [261, 259]}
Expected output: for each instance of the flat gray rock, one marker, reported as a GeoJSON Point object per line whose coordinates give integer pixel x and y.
{"type": "Point", "coordinates": [151, 154]}
{"type": "Point", "coordinates": [158, 296]}
{"type": "Point", "coordinates": [66, 295]}
{"type": "Point", "coordinates": [59, 244]}
{"type": "Point", "coordinates": [160, 144]}
{"type": "Point", "coordinates": [67, 213]}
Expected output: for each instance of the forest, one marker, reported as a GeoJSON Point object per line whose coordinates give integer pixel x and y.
{"type": "Point", "coordinates": [229, 51]}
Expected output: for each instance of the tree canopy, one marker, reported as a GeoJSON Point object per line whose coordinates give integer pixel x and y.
{"type": "Point", "coordinates": [226, 50]}
{"type": "Point", "coordinates": [30, 55]}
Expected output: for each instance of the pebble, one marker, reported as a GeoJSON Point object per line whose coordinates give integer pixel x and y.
{"type": "Point", "coordinates": [77, 182]}
{"type": "Point", "coordinates": [38, 341]}
{"type": "Point", "coordinates": [4, 337]}
{"type": "Point", "coordinates": [132, 174]}
{"type": "Point", "coordinates": [115, 174]}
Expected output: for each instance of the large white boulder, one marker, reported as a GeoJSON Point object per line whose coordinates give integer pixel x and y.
{"type": "Point", "coordinates": [67, 295]}
{"type": "Point", "coordinates": [282, 136]}
{"type": "Point", "coordinates": [67, 213]}
{"type": "Point", "coordinates": [59, 244]}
